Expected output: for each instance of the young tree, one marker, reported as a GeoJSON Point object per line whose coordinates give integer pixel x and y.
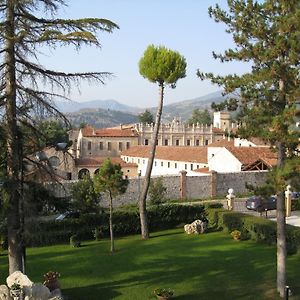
{"type": "Point", "coordinates": [157, 191]}
{"type": "Point", "coordinates": [164, 67]}
{"type": "Point", "coordinates": [110, 180]}
{"type": "Point", "coordinates": [85, 198]}
{"type": "Point", "coordinates": [146, 117]}
{"type": "Point", "coordinates": [266, 34]}
{"type": "Point", "coordinates": [201, 117]}
{"type": "Point", "coordinates": [25, 27]}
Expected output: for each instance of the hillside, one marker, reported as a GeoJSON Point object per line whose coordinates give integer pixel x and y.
{"type": "Point", "coordinates": [73, 106]}
{"type": "Point", "coordinates": [108, 113]}
{"type": "Point", "coordinates": [101, 118]}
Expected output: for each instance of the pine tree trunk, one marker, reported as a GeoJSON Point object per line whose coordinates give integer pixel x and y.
{"type": "Point", "coordinates": [112, 242]}
{"type": "Point", "coordinates": [281, 237]}
{"type": "Point", "coordinates": [15, 241]}
{"type": "Point", "coordinates": [146, 181]}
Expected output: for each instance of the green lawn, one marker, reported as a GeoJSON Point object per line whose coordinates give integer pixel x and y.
{"type": "Point", "coordinates": [210, 266]}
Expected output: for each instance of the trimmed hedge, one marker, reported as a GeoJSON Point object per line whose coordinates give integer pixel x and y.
{"type": "Point", "coordinates": [125, 222]}
{"type": "Point", "coordinates": [252, 227]}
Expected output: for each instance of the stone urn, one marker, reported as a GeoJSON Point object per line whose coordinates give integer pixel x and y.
{"type": "Point", "coordinates": [163, 294]}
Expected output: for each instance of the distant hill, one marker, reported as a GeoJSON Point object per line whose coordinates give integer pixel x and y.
{"type": "Point", "coordinates": [101, 118]}
{"type": "Point", "coordinates": [184, 109]}
{"type": "Point", "coordinates": [108, 113]}
{"type": "Point", "coordinates": [73, 106]}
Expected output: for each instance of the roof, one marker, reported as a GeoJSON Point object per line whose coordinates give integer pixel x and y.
{"type": "Point", "coordinates": [202, 170]}
{"type": "Point", "coordinates": [96, 161]}
{"type": "Point", "coordinates": [217, 130]}
{"type": "Point", "coordinates": [89, 131]}
{"type": "Point", "coordinates": [222, 143]}
{"type": "Point", "coordinates": [249, 155]}
{"type": "Point", "coordinates": [178, 153]}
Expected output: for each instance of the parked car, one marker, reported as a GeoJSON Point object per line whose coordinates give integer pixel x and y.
{"type": "Point", "coordinates": [68, 215]}
{"type": "Point", "coordinates": [295, 195]}
{"type": "Point", "coordinates": [260, 204]}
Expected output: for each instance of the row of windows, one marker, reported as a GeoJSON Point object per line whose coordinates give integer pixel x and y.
{"type": "Point", "coordinates": [169, 164]}
{"type": "Point", "coordinates": [108, 146]}
{"type": "Point", "coordinates": [177, 142]}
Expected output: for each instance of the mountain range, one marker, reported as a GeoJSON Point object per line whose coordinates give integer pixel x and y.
{"type": "Point", "coordinates": [108, 113]}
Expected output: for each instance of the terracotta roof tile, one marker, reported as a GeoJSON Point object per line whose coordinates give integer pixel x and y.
{"type": "Point", "coordinates": [178, 153]}
{"type": "Point", "coordinates": [248, 155]}
{"type": "Point", "coordinates": [88, 131]}
{"type": "Point", "coordinates": [222, 143]}
{"type": "Point", "coordinates": [202, 170]}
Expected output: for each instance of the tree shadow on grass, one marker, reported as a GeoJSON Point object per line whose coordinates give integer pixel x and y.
{"type": "Point", "coordinates": [92, 292]}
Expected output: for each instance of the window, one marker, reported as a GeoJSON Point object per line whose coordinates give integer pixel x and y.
{"type": "Point", "coordinates": [191, 167]}
{"type": "Point", "coordinates": [188, 142]}
{"type": "Point", "coordinates": [177, 142]}
{"type": "Point", "coordinates": [139, 160]}
{"type": "Point", "coordinates": [108, 146]}
{"type": "Point", "coordinates": [197, 143]}
{"type": "Point", "coordinates": [197, 166]}
{"type": "Point", "coordinates": [166, 142]}
{"type": "Point", "coordinates": [185, 166]}
{"type": "Point", "coordinates": [89, 145]}
{"type": "Point", "coordinates": [161, 163]}
{"type": "Point", "coordinates": [127, 145]}
{"type": "Point", "coordinates": [175, 165]}
{"type": "Point", "coordinates": [169, 164]}
{"type": "Point", "coordinates": [206, 142]}
{"type": "Point", "coordinates": [101, 145]}
{"type": "Point", "coordinates": [146, 142]}
{"type": "Point", "coordinates": [155, 163]}
{"type": "Point", "coordinates": [120, 146]}
{"type": "Point", "coordinates": [143, 161]}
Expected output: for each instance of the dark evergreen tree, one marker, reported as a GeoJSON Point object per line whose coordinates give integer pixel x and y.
{"type": "Point", "coordinates": [25, 27]}
{"type": "Point", "coordinates": [266, 35]}
{"type": "Point", "coordinates": [201, 117]}
{"type": "Point", "coordinates": [146, 117]}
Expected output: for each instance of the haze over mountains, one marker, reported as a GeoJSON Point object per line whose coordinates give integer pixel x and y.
{"type": "Point", "coordinates": [108, 113]}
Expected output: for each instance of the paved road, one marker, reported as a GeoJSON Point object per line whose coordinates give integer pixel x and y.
{"type": "Point", "coordinates": [239, 205]}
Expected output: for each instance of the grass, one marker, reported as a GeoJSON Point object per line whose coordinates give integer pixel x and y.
{"type": "Point", "coordinates": [210, 266]}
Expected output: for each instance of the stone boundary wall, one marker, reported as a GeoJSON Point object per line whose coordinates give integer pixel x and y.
{"type": "Point", "coordinates": [180, 186]}
{"type": "Point", "coordinates": [237, 181]}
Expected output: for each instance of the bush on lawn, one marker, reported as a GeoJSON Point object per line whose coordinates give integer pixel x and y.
{"type": "Point", "coordinates": [252, 227]}
{"type": "Point", "coordinates": [126, 221]}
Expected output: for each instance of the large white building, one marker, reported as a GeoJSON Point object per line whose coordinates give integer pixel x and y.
{"type": "Point", "coordinates": [221, 156]}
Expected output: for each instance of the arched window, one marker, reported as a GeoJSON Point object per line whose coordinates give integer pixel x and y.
{"type": "Point", "coordinates": [82, 173]}
{"type": "Point", "coordinates": [96, 171]}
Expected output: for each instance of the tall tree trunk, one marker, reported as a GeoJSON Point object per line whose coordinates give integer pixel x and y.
{"type": "Point", "coordinates": [15, 241]}
{"type": "Point", "coordinates": [281, 222]}
{"type": "Point", "coordinates": [146, 181]}
{"type": "Point", "coordinates": [281, 237]}
{"type": "Point", "coordinates": [112, 242]}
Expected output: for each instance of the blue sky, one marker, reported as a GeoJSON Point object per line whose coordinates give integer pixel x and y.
{"type": "Point", "coordinates": [181, 25]}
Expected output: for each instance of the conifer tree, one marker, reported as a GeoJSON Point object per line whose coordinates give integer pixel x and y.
{"type": "Point", "coordinates": [27, 88]}
{"type": "Point", "coordinates": [266, 35]}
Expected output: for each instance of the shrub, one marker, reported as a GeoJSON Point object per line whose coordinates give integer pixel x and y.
{"type": "Point", "coordinates": [157, 191]}
{"type": "Point", "coordinates": [236, 234]}
{"type": "Point", "coordinates": [126, 221]}
{"type": "Point", "coordinates": [75, 241]}
{"type": "Point", "coordinates": [98, 233]}
{"type": "Point", "coordinates": [255, 228]}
